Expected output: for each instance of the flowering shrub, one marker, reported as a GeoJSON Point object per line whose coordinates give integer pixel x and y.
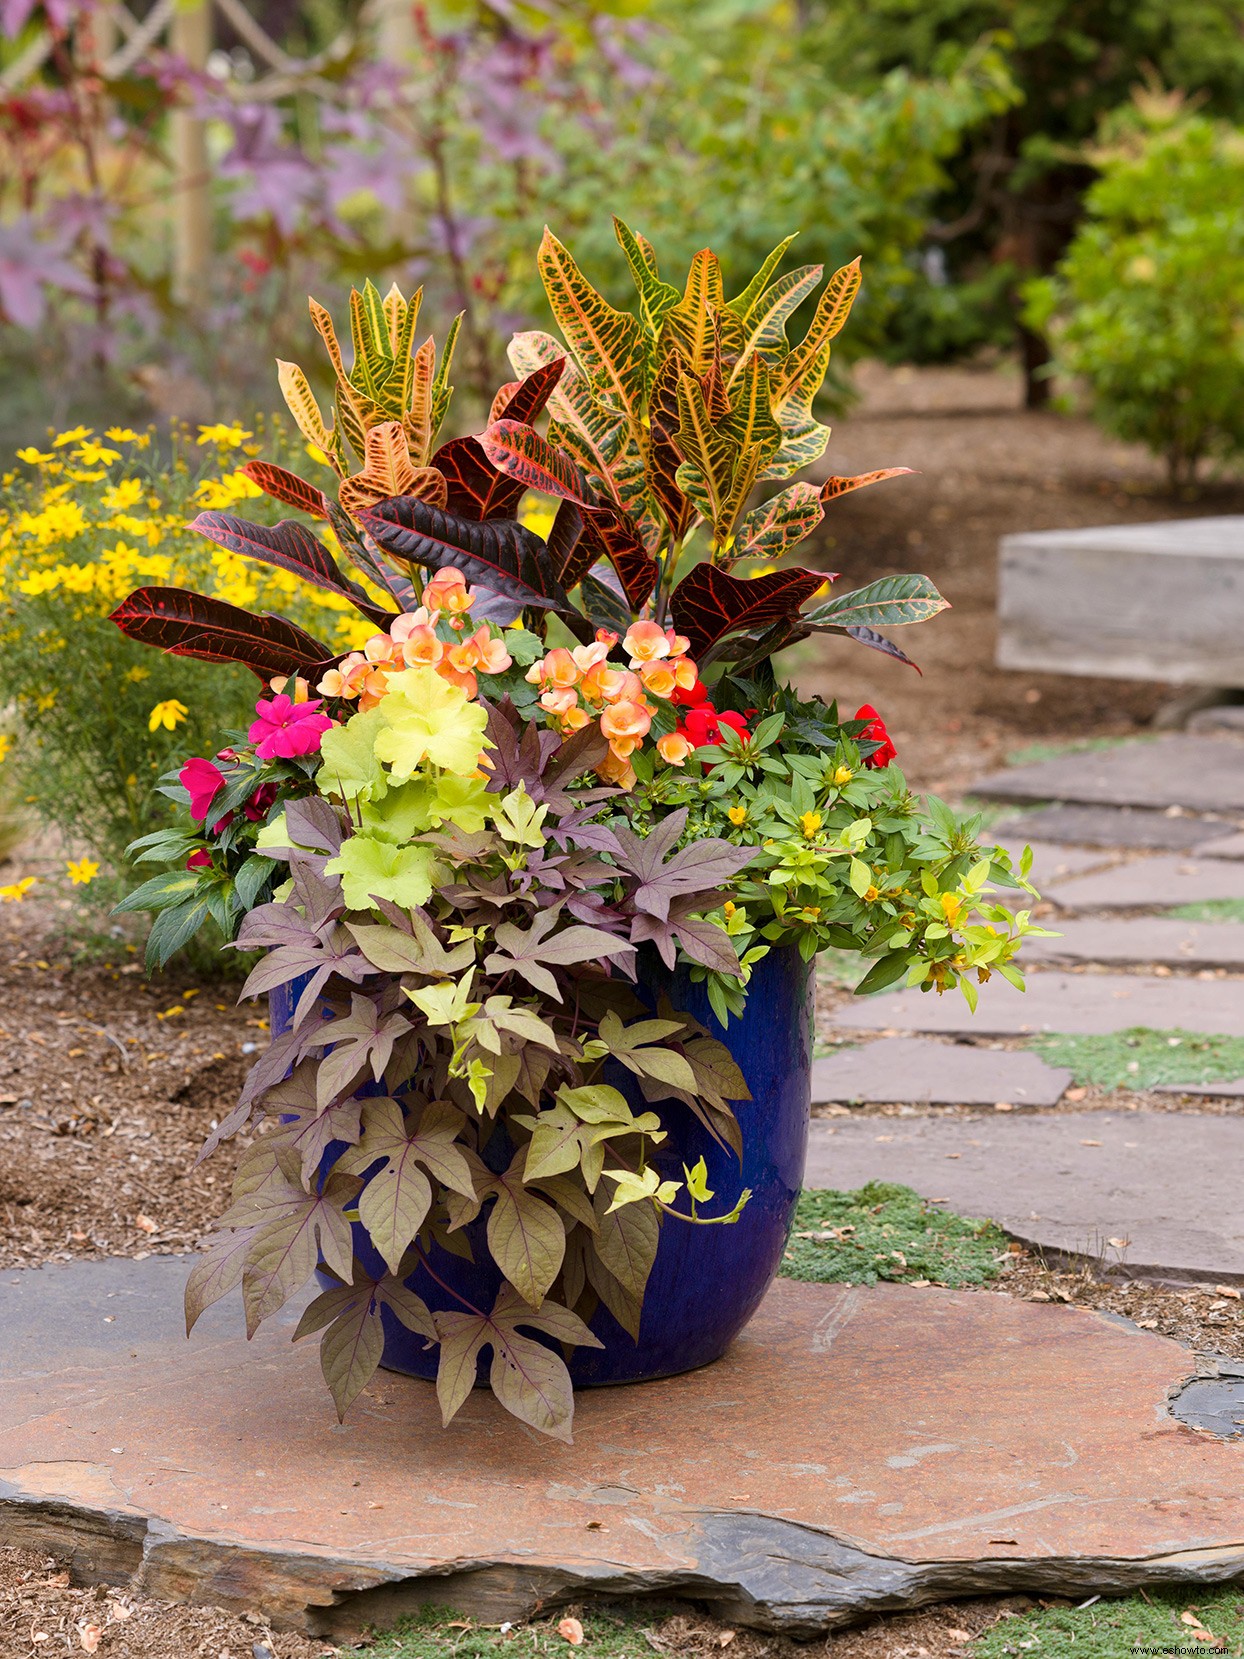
{"type": "Point", "coordinates": [554, 755]}
{"type": "Point", "coordinates": [96, 718]}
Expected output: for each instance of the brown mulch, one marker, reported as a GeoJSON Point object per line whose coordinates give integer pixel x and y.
{"type": "Point", "coordinates": [42, 1614]}
{"type": "Point", "coordinates": [1204, 1317]}
{"type": "Point", "coordinates": [109, 1086]}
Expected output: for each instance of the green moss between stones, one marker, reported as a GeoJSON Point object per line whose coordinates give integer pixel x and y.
{"type": "Point", "coordinates": [1140, 1058]}
{"type": "Point", "coordinates": [888, 1232]}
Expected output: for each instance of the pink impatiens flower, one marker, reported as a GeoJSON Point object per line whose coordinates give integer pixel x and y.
{"type": "Point", "coordinates": [285, 729]}
{"type": "Point", "coordinates": [200, 859]}
{"type": "Point", "coordinates": [205, 782]}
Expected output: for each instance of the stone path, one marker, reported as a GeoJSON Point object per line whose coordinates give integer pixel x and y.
{"type": "Point", "coordinates": [1138, 942]}
{"type": "Point", "coordinates": [1166, 1182]}
{"type": "Point", "coordinates": [1167, 880]}
{"type": "Point", "coordinates": [1084, 1003]}
{"type": "Point", "coordinates": [1110, 826]}
{"type": "Point", "coordinates": [1174, 1191]}
{"type": "Point", "coordinates": [937, 1074]}
{"type": "Point", "coordinates": [929, 1444]}
{"type": "Point", "coordinates": [1206, 773]}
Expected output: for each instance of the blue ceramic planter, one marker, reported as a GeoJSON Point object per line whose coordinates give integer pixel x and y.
{"type": "Point", "coordinates": [707, 1281]}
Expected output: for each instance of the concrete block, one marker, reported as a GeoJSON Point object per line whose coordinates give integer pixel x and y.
{"type": "Point", "coordinates": [1127, 601]}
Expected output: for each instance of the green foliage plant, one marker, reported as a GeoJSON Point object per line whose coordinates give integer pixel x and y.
{"type": "Point", "coordinates": [563, 748]}
{"type": "Point", "coordinates": [1147, 306]}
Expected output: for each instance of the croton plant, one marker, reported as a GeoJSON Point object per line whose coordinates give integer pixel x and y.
{"type": "Point", "coordinates": [565, 746]}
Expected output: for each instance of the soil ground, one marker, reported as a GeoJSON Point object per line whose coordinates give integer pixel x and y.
{"type": "Point", "coordinates": [985, 468]}
{"type": "Point", "coordinates": [109, 1084]}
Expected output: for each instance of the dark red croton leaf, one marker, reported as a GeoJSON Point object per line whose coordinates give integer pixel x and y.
{"type": "Point", "coordinates": [476, 489]}
{"type": "Point", "coordinates": [186, 624]}
{"type": "Point", "coordinates": [289, 546]}
{"type": "Point", "coordinates": [286, 486]}
{"type": "Point", "coordinates": [531, 395]}
{"type": "Point", "coordinates": [708, 605]}
{"type": "Point", "coordinates": [612, 533]}
{"type": "Point", "coordinates": [500, 554]}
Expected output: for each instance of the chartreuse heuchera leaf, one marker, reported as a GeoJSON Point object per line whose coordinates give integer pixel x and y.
{"type": "Point", "coordinates": [561, 755]}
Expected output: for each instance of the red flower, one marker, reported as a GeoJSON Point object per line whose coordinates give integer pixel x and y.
{"type": "Point", "coordinates": [200, 860]}
{"type": "Point", "coordinates": [702, 725]}
{"type": "Point", "coordinates": [875, 732]}
{"type": "Point", "coordinates": [257, 807]}
{"type": "Point", "coordinates": [693, 695]}
{"type": "Point", "coordinates": [204, 782]}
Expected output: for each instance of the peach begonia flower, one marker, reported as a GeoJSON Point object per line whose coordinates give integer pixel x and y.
{"type": "Point", "coordinates": [673, 748]}
{"type": "Point", "coordinates": [686, 673]}
{"type": "Point", "coordinates": [626, 725]}
{"type": "Point", "coordinates": [560, 701]}
{"type": "Point", "coordinates": [421, 645]}
{"type": "Point", "coordinates": [556, 669]}
{"type": "Point", "coordinates": [448, 591]}
{"type": "Point", "coordinates": [587, 657]}
{"type": "Point", "coordinates": [616, 769]}
{"type": "Point", "coordinates": [659, 677]}
{"type": "Point", "coordinates": [645, 642]}
{"type": "Point", "coordinates": [491, 656]}
{"type": "Point", "coordinates": [401, 627]}
{"type": "Point", "coordinates": [602, 684]}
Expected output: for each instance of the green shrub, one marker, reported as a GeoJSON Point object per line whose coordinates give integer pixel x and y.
{"type": "Point", "coordinates": [1147, 307]}
{"type": "Point", "coordinates": [83, 519]}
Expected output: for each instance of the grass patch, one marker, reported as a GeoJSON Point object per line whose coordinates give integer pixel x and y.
{"type": "Point", "coordinates": [1153, 1623]}
{"type": "Point", "coordinates": [1210, 910]}
{"type": "Point", "coordinates": [1140, 1058]}
{"type": "Point", "coordinates": [435, 1633]}
{"type": "Point", "coordinates": [1033, 753]}
{"type": "Point", "coordinates": [888, 1232]}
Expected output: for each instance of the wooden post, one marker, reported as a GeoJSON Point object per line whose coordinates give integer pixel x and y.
{"type": "Point", "coordinates": [395, 31]}
{"type": "Point", "coordinates": [190, 38]}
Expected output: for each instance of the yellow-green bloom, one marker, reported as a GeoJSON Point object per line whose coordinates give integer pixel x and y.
{"type": "Point", "coordinates": [427, 719]}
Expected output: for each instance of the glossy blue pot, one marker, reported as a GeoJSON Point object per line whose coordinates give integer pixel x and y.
{"type": "Point", "coordinates": [706, 1282]}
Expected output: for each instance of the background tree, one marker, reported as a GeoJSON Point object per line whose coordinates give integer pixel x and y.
{"type": "Point", "coordinates": [1016, 184]}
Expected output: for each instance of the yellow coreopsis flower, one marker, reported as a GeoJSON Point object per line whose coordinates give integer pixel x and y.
{"type": "Point", "coordinates": [6, 743]}
{"type": "Point", "coordinates": [75, 435]}
{"type": "Point", "coordinates": [16, 891]}
{"type": "Point", "coordinates": [121, 435]}
{"type": "Point", "coordinates": [94, 454]}
{"type": "Point", "coordinates": [82, 871]}
{"type": "Point", "coordinates": [169, 714]}
{"type": "Point", "coordinates": [232, 436]}
{"type": "Point", "coordinates": [34, 457]}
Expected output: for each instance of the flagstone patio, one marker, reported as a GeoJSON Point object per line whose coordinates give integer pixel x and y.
{"type": "Point", "coordinates": [930, 1444]}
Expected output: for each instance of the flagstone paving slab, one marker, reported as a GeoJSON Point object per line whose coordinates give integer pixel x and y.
{"type": "Point", "coordinates": [1233, 1089]}
{"type": "Point", "coordinates": [1111, 826]}
{"type": "Point", "coordinates": [1139, 940]}
{"type": "Point", "coordinates": [1168, 880]}
{"type": "Point", "coordinates": [936, 1074]}
{"type": "Point", "coordinates": [1168, 1182]}
{"type": "Point", "coordinates": [929, 1443]}
{"type": "Point", "coordinates": [1051, 864]}
{"type": "Point", "coordinates": [1201, 774]}
{"type": "Point", "coordinates": [1223, 846]}
{"type": "Point", "coordinates": [1084, 1003]}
